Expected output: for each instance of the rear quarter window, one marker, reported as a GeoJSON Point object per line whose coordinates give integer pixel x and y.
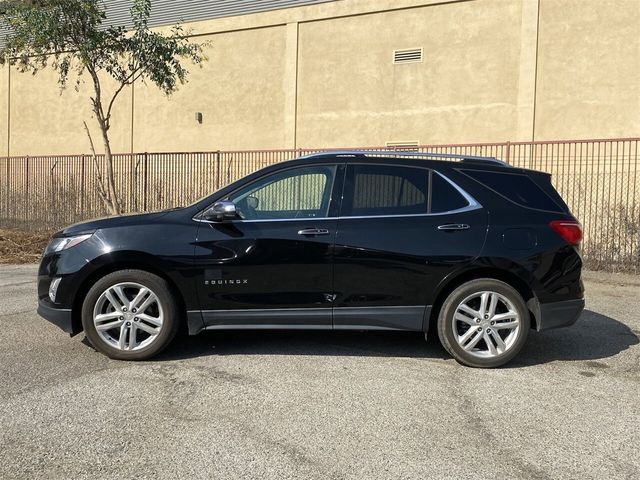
{"type": "Point", "coordinates": [518, 188]}
{"type": "Point", "coordinates": [444, 196]}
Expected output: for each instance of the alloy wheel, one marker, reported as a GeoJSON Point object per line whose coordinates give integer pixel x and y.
{"type": "Point", "coordinates": [486, 324]}
{"type": "Point", "coordinates": [128, 316]}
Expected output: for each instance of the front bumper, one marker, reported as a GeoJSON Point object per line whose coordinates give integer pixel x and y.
{"type": "Point", "coordinates": [58, 316]}
{"type": "Point", "coordinates": [559, 314]}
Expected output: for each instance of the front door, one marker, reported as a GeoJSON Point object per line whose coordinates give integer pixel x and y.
{"type": "Point", "coordinates": [401, 231]}
{"type": "Point", "coordinates": [272, 266]}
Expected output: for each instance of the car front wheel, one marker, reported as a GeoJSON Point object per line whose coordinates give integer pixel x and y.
{"type": "Point", "coordinates": [130, 315]}
{"type": "Point", "coordinates": [483, 323]}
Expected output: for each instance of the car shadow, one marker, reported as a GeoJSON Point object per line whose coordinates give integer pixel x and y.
{"type": "Point", "coordinates": [593, 337]}
{"type": "Point", "coordinates": [321, 343]}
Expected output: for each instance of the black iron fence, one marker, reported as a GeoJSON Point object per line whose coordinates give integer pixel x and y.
{"type": "Point", "coordinates": [597, 178]}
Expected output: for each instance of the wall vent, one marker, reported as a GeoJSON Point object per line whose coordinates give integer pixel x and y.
{"type": "Point", "coordinates": [407, 55]}
{"type": "Point", "coordinates": [402, 146]}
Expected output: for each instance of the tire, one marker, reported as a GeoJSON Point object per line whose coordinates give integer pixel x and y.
{"type": "Point", "coordinates": [154, 323]}
{"type": "Point", "coordinates": [466, 330]}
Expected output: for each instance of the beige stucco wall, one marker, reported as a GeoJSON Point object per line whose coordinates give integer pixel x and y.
{"type": "Point", "coordinates": [47, 120]}
{"type": "Point", "coordinates": [240, 91]}
{"type": "Point", "coordinates": [588, 69]}
{"type": "Point", "coordinates": [322, 76]}
{"type": "Point", "coordinates": [351, 93]}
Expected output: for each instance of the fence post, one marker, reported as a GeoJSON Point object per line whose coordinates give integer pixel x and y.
{"type": "Point", "coordinates": [27, 196]}
{"type": "Point", "coordinates": [218, 174]}
{"type": "Point", "coordinates": [82, 188]}
{"type": "Point", "coordinates": [132, 183]}
{"type": "Point", "coordinates": [145, 182]}
{"type": "Point", "coordinates": [508, 154]}
{"type": "Point", "coordinates": [7, 184]}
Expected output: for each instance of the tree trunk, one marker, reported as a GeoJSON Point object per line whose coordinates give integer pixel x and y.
{"type": "Point", "coordinates": [112, 202]}
{"type": "Point", "coordinates": [102, 191]}
{"type": "Point", "coordinates": [115, 207]}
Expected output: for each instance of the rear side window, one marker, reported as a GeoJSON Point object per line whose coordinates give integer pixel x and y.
{"type": "Point", "coordinates": [385, 190]}
{"type": "Point", "coordinates": [378, 190]}
{"type": "Point", "coordinates": [516, 187]}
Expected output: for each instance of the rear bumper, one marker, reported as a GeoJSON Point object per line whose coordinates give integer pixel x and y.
{"type": "Point", "coordinates": [58, 316]}
{"type": "Point", "coordinates": [559, 314]}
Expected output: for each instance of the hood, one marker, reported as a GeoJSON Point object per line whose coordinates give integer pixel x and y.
{"type": "Point", "coordinates": [111, 222]}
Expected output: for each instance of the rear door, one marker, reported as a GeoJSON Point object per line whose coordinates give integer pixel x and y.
{"type": "Point", "coordinates": [401, 230]}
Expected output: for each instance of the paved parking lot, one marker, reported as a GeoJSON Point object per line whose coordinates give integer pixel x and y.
{"type": "Point", "coordinates": [304, 405]}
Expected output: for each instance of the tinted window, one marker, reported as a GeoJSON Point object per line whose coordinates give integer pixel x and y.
{"type": "Point", "coordinates": [518, 188]}
{"type": "Point", "coordinates": [385, 190]}
{"type": "Point", "coordinates": [444, 196]}
{"type": "Point", "coordinates": [296, 193]}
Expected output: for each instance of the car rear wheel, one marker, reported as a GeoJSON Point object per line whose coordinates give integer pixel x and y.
{"type": "Point", "coordinates": [483, 323]}
{"type": "Point", "coordinates": [130, 315]}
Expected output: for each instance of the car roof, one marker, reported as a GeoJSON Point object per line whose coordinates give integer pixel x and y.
{"type": "Point", "coordinates": [409, 158]}
{"type": "Point", "coordinates": [407, 154]}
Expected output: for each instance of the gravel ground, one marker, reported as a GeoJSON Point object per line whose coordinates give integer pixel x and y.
{"type": "Point", "coordinates": [321, 405]}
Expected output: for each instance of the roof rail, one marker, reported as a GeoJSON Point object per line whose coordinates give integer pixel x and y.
{"type": "Point", "coordinates": [407, 153]}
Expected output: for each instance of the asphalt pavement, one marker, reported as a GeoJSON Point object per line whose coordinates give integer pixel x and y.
{"type": "Point", "coordinates": [321, 405]}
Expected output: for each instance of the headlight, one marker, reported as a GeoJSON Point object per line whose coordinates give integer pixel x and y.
{"type": "Point", "coordinates": [64, 243]}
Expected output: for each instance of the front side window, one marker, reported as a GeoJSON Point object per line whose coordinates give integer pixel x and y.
{"type": "Point", "coordinates": [303, 192]}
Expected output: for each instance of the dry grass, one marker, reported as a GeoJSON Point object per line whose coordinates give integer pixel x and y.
{"type": "Point", "coordinates": [615, 247]}
{"type": "Point", "coordinates": [17, 246]}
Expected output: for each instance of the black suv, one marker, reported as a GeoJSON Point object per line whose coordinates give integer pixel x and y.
{"type": "Point", "coordinates": [468, 246]}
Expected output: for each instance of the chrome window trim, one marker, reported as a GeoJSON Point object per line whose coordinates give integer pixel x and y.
{"type": "Point", "coordinates": [227, 222]}
{"type": "Point", "coordinates": [450, 212]}
{"type": "Point", "coordinates": [473, 204]}
{"type": "Point", "coordinates": [468, 208]}
{"type": "Point", "coordinates": [472, 201]}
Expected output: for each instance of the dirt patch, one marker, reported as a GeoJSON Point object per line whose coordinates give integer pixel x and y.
{"type": "Point", "coordinates": [17, 246]}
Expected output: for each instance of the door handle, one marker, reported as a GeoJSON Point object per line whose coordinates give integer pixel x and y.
{"type": "Point", "coordinates": [313, 231]}
{"type": "Point", "coordinates": [453, 226]}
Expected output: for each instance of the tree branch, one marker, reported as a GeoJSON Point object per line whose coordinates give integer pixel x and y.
{"type": "Point", "coordinates": [127, 81]}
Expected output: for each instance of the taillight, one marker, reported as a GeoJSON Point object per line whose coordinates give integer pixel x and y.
{"type": "Point", "coordinates": [570, 231]}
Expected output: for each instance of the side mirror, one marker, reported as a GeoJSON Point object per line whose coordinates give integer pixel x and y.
{"type": "Point", "coordinates": [221, 211]}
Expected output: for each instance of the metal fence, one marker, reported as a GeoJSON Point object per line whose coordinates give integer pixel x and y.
{"type": "Point", "coordinates": [597, 178]}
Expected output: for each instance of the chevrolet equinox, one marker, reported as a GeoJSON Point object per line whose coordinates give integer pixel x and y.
{"type": "Point", "coordinates": [470, 247]}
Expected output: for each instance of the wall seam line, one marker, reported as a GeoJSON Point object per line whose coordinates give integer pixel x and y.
{"type": "Point", "coordinates": [9, 112]}
{"type": "Point", "coordinates": [295, 95]}
{"type": "Point", "coordinates": [535, 79]}
{"type": "Point", "coordinates": [133, 106]}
